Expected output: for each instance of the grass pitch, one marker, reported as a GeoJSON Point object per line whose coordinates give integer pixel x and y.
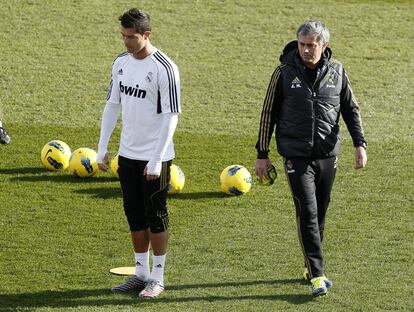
{"type": "Point", "coordinates": [61, 235]}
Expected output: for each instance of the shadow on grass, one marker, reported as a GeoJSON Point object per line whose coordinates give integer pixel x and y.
{"type": "Point", "coordinates": [102, 192]}
{"type": "Point", "coordinates": [197, 195]}
{"type": "Point", "coordinates": [24, 170]}
{"type": "Point", "coordinates": [115, 192]}
{"type": "Point", "coordinates": [104, 297]}
{"type": "Point", "coordinates": [62, 178]}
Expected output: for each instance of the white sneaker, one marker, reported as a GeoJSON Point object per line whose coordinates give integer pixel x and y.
{"type": "Point", "coordinates": [152, 290]}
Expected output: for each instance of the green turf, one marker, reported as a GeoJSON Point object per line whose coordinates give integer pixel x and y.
{"type": "Point", "coordinates": [61, 235]}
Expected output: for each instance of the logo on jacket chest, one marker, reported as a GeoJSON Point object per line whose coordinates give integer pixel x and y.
{"type": "Point", "coordinates": [331, 82]}
{"type": "Point", "coordinates": [289, 166]}
{"type": "Point", "coordinates": [296, 83]}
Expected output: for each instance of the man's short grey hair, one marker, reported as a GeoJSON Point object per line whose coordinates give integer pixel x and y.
{"type": "Point", "coordinates": [311, 27]}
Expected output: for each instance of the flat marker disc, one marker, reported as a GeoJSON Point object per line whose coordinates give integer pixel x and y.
{"type": "Point", "coordinates": [123, 271]}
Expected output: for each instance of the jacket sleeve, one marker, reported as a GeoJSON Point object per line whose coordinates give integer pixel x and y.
{"type": "Point", "coordinates": [350, 112]}
{"type": "Point", "coordinates": [269, 114]}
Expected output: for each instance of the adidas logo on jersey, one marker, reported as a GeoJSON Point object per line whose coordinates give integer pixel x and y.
{"type": "Point", "coordinates": [120, 72]}
{"type": "Point", "coordinates": [296, 83]}
{"type": "Point", "coordinates": [135, 92]}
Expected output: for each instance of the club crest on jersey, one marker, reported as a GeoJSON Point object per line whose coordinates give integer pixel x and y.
{"type": "Point", "coordinates": [296, 83]}
{"type": "Point", "coordinates": [149, 78]}
{"type": "Point", "coordinates": [131, 91]}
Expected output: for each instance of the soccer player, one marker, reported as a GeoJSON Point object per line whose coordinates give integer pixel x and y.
{"type": "Point", "coordinates": [306, 95]}
{"type": "Point", "coordinates": [145, 87]}
{"type": "Point", "coordinates": [4, 136]}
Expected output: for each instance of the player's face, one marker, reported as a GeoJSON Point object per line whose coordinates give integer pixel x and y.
{"type": "Point", "coordinates": [133, 41]}
{"type": "Point", "coordinates": [310, 50]}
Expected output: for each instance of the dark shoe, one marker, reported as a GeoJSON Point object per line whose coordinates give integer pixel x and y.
{"type": "Point", "coordinates": [4, 137]}
{"type": "Point", "coordinates": [134, 283]}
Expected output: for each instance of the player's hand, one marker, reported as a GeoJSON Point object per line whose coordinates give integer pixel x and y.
{"type": "Point", "coordinates": [261, 167]}
{"type": "Point", "coordinates": [360, 157]}
{"type": "Point", "coordinates": [150, 177]}
{"type": "Point", "coordinates": [104, 166]}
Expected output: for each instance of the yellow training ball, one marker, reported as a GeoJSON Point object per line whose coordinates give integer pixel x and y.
{"type": "Point", "coordinates": [83, 163]}
{"type": "Point", "coordinates": [114, 166]}
{"type": "Point", "coordinates": [235, 180]}
{"type": "Point", "coordinates": [55, 155]}
{"type": "Point", "coordinates": [177, 180]}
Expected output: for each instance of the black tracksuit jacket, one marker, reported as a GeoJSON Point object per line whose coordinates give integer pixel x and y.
{"type": "Point", "coordinates": [306, 114]}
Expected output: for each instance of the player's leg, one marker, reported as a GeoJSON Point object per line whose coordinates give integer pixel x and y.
{"type": "Point", "coordinates": [326, 170]}
{"type": "Point", "coordinates": [131, 180]}
{"type": "Point", "coordinates": [157, 218]}
{"type": "Point", "coordinates": [301, 178]}
{"type": "Point", "coordinates": [324, 182]}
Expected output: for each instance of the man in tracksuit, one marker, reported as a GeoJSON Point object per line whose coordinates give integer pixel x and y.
{"type": "Point", "coordinates": [306, 95]}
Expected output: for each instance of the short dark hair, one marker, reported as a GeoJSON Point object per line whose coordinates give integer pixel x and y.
{"type": "Point", "coordinates": [137, 19]}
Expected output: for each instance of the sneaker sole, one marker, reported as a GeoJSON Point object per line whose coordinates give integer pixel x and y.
{"type": "Point", "coordinates": [149, 297]}
{"type": "Point", "coordinates": [322, 293]}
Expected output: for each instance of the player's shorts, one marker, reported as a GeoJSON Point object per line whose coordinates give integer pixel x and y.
{"type": "Point", "coordinates": [145, 202]}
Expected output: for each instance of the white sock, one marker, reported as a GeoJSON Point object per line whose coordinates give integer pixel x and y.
{"type": "Point", "coordinates": [157, 273]}
{"type": "Point", "coordinates": [142, 265]}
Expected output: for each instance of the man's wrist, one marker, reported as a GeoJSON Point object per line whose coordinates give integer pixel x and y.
{"type": "Point", "coordinates": [362, 144]}
{"type": "Point", "coordinates": [262, 155]}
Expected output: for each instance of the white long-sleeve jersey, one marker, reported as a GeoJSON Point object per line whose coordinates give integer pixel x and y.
{"type": "Point", "coordinates": [147, 92]}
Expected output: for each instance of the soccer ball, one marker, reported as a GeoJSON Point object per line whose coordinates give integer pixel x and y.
{"type": "Point", "coordinates": [83, 163]}
{"type": "Point", "coordinates": [177, 180]}
{"type": "Point", "coordinates": [114, 166]}
{"type": "Point", "coordinates": [235, 180]}
{"type": "Point", "coordinates": [55, 155]}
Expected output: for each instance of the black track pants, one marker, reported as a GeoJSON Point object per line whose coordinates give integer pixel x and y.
{"type": "Point", "coordinates": [311, 184]}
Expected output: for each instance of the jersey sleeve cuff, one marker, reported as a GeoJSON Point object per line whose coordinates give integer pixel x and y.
{"type": "Point", "coordinates": [362, 144]}
{"type": "Point", "coordinates": [262, 154]}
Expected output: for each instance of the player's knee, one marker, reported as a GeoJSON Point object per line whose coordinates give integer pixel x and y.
{"type": "Point", "coordinates": [137, 222]}
{"type": "Point", "coordinates": [136, 219]}
{"type": "Point", "coordinates": [158, 222]}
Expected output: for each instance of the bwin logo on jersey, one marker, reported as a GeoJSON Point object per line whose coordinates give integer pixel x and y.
{"type": "Point", "coordinates": [136, 92]}
{"type": "Point", "coordinates": [296, 83]}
